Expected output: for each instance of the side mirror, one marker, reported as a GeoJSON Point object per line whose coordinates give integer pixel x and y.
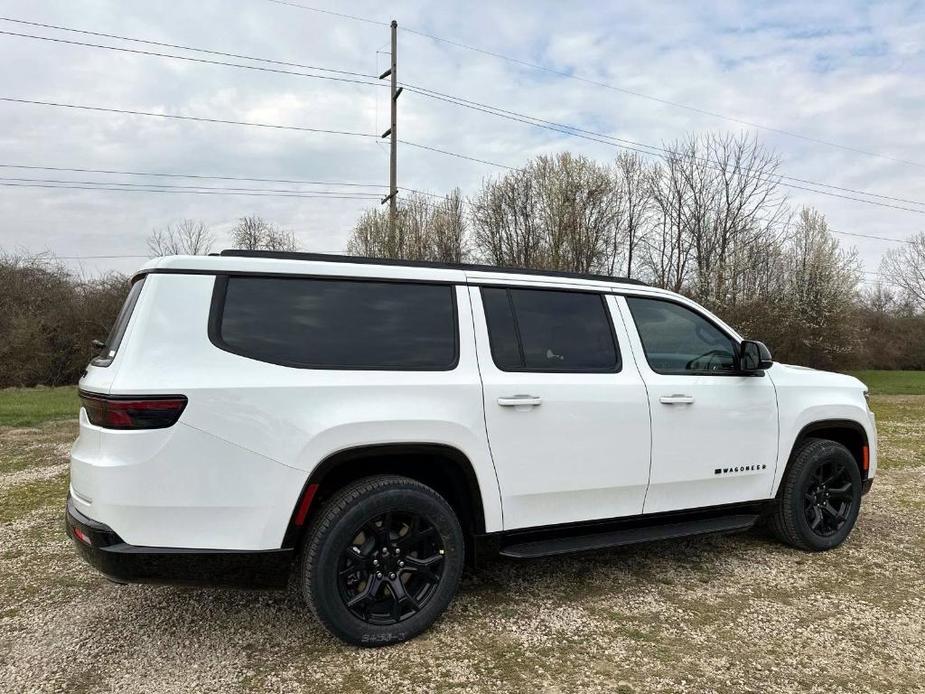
{"type": "Point", "coordinates": [754, 356]}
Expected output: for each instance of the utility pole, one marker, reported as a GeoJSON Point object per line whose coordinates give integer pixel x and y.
{"type": "Point", "coordinates": [392, 133]}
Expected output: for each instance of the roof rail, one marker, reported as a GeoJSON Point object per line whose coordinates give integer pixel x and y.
{"type": "Point", "coordinates": [359, 260]}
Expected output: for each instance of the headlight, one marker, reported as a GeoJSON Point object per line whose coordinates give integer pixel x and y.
{"type": "Point", "coordinates": [867, 395]}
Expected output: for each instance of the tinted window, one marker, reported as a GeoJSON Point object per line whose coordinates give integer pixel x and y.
{"type": "Point", "coordinates": [542, 330]}
{"type": "Point", "coordinates": [339, 324]}
{"type": "Point", "coordinates": [117, 332]}
{"type": "Point", "coordinates": [678, 340]}
{"type": "Point", "coordinates": [505, 347]}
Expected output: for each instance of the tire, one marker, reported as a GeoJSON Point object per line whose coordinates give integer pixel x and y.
{"type": "Point", "coordinates": [369, 598]}
{"type": "Point", "coordinates": [820, 497]}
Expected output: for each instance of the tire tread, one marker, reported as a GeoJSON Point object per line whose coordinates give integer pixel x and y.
{"type": "Point", "coordinates": [331, 512]}
{"type": "Point", "coordinates": [783, 522]}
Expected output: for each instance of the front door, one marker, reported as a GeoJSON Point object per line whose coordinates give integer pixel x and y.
{"type": "Point", "coordinates": [714, 432]}
{"type": "Point", "coordinates": [565, 406]}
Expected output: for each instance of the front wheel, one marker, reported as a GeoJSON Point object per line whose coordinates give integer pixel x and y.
{"type": "Point", "coordinates": [820, 497]}
{"type": "Point", "coordinates": [382, 561]}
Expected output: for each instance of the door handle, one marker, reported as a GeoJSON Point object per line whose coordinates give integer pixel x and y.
{"type": "Point", "coordinates": [520, 401]}
{"type": "Point", "coordinates": [676, 399]}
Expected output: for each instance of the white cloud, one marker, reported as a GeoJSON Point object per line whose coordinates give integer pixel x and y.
{"type": "Point", "coordinates": [846, 73]}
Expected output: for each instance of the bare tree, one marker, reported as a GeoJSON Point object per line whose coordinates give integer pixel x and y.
{"type": "Point", "coordinates": [634, 181]}
{"type": "Point", "coordinates": [668, 252]}
{"type": "Point", "coordinates": [426, 230]}
{"type": "Point", "coordinates": [558, 213]}
{"type": "Point", "coordinates": [905, 266]}
{"type": "Point", "coordinates": [449, 231]}
{"type": "Point", "coordinates": [371, 237]}
{"type": "Point", "coordinates": [254, 233]}
{"type": "Point", "coordinates": [188, 237]}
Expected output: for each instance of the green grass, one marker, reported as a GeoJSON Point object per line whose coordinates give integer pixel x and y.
{"type": "Point", "coordinates": [893, 382]}
{"type": "Point", "coordinates": [24, 407]}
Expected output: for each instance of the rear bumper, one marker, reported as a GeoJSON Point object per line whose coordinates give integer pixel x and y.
{"type": "Point", "coordinates": [103, 549]}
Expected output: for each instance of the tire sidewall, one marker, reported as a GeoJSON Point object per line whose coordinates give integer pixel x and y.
{"type": "Point", "coordinates": [325, 593]}
{"type": "Point", "coordinates": [829, 453]}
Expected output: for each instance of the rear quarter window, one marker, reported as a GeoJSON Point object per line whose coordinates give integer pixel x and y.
{"type": "Point", "coordinates": [336, 324]}
{"type": "Point", "coordinates": [117, 332]}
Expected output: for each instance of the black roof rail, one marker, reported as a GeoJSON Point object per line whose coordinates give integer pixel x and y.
{"type": "Point", "coordinates": [360, 260]}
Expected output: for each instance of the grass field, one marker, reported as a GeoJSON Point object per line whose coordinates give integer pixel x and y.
{"type": "Point", "coordinates": [24, 407]}
{"type": "Point", "coordinates": [730, 614]}
{"type": "Point", "coordinates": [893, 382]}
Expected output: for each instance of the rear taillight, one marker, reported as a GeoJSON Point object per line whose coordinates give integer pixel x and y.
{"type": "Point", "coordinates": [133, 411]}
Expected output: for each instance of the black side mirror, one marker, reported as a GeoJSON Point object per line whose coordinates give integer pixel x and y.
{"type": "Point", "coordinates": [754, 356]}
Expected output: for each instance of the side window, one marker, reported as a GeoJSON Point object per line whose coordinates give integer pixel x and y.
{"type": "Point", "coordinates": [678, 340]}
{"type": "Point", "coordinates": [547, 330]}
{"type": "Point", "coordinates": [117, 332]}
{"type": "Point", "coordinates": [337, 324]}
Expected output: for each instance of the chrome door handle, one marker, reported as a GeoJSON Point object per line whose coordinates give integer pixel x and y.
{"type": "Point", "coordinates": [676, 399]}
{"type": "Point", "coordinates": [520, 401]}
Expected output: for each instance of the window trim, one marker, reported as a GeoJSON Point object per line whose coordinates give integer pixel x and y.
{"type": "Point", "coordinates": [618, 366]}
{"type": "Point", "coordinates": [217, 312]}
{"type": "Point", "coordinates": [736, 343]}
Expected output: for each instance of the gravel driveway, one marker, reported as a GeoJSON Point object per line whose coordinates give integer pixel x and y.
{"type": "Point", "coordinates": [729, 614]}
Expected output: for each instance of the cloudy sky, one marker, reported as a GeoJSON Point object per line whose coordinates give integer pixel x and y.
{"type": "Point", "coordinates": [850, 74]}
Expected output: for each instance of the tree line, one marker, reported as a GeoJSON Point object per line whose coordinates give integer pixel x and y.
{"type": "Point", "coordinates": [708, 220]}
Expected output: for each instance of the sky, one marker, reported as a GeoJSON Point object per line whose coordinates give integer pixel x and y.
{"type": "Point", "coordinates": [851, 74]}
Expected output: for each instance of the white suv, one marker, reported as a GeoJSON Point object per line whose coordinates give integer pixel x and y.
{"type": "Point", "coordinates": [375, 423]}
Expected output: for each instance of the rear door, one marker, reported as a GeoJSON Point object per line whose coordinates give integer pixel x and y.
{"type": "Point", "coordinates": [565, 406]}
{"type": "Point", "coordinates": [714, 432]}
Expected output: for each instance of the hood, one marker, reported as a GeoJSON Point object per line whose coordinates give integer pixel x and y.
{"type": "Point", "coordinates": [804, 374]}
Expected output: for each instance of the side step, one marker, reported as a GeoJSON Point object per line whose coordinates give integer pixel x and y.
{"type": "Point", "coordinates": [628, 536]}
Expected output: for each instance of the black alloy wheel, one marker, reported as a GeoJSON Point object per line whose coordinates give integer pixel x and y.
{"type": "Point", "coordinates": [391, 568]}
{"type": "Point", "coordinates": [819, 498]}
{"type": "Point", "coordinates": [829, 497]}
{"type": "Point", "coordinates": [382, 560]}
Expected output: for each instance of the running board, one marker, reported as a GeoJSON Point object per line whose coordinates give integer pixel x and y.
{"type": "Point", "coordinates": [629, 536]}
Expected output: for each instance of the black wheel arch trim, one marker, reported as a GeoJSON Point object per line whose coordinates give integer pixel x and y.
{"type": "Point", "coordinates": [335, 463]}
{"type": "Point", "coordinates": [829, 425]}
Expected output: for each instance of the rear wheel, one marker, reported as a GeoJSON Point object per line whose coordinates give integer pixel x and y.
{"type": "Point", "coordinates": [382, 561]}
{"type": "Point", "coordinates": [820, 497]}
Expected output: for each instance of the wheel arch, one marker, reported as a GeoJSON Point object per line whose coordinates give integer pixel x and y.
{"type": "Point", "coordinates": [442, 467]}
{"type": "Point", "coordinates": [851, 434]}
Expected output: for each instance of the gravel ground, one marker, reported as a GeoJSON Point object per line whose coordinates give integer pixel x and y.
{"type": "Point", "coordinates": [725, 614]}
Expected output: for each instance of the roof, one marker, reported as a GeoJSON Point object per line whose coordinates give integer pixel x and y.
{"type": "Point", "coordinates": [465, 267]}
{"type": "Point", "coordinates": [275, 262]}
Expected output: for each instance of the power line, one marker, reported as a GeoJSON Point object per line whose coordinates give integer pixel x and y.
{"type": "Point", "coordinates": [870, 236]}
{"type": "Point", "coordinates": [660, 100]}
{"type": "Point", "coordinates": [631, 145]}
{"type": "Point", "coordinates": [320, 193]}
{"type": "Point", "coordinates": [186, 48]}
{"type": "Point", "coordinates": [486, 108]}
{"type": "Point", "coordinates": [176, 191]}
{"type": "Point", "coordinates": [121, 172]}
{"type": "Point", "coordinates": [606, 85]}
{"type": "Point", "coordinates": [198, 119]}
{"type": "Point", "coordinates": [418, 145]}
{"type": "Point", "coordinates": [329, 12]}
{"type": "Point", "coordinates": [625, 143]}
{"type": "Point", "coordinates": [511, 168]}
{"type": "Point", "coordinates": [206, 61]}
{"type": "Point", "coordinates": [297, 181]}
